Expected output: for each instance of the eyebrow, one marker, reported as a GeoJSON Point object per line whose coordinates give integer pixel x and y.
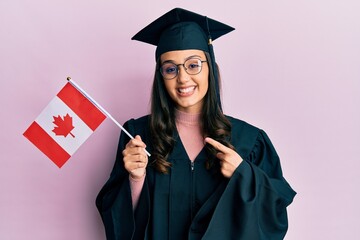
{"type": "Point", "coordinates": [172, 61]}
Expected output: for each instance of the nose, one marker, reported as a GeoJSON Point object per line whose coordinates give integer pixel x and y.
{"type": "Point", "coordinates": [183, 76]}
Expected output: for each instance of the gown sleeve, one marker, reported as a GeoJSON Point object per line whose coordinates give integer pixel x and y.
{"type": "Point", "coordinates": [253, 205]}
{"type": "Point", "coordinates": [114, 201]}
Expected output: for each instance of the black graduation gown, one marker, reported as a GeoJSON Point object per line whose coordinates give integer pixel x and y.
{"type": "Point", "coordinates": [191, 202]}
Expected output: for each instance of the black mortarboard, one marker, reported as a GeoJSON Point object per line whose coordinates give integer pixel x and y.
{"type": "Point", "coordinates": [180, 29]}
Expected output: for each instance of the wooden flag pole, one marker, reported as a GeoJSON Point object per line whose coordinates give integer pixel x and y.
{"type": "Point", "coordinates": [102, 109]}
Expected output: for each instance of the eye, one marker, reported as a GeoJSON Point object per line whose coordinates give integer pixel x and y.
{"type": "Point", "coordinates": [193, 64]}
{"type": "Point", "coordinates": [171, 69]}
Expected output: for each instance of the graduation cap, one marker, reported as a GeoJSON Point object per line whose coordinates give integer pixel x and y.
{"type": "Point", "coordinates": [180, 29]}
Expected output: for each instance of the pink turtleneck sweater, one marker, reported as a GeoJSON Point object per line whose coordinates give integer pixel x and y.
{"type": "Point", "coordinates": [188, 127]}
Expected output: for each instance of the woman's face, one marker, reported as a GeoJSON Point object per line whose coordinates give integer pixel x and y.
{"type": "Point", "coordinates": [187, 91]}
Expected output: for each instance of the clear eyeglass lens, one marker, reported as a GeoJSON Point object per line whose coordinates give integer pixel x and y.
{"type": "Point", "coordinates": [193, 66]}
{"type": "Point", "coordinates": [169, 70]}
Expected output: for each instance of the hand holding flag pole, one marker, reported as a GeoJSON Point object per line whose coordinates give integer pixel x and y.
{"type": "Point", "coordinates": [102, 109]}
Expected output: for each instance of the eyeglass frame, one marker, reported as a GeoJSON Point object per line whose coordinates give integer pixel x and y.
{"type": "Point", "coordinates": [181, 64]}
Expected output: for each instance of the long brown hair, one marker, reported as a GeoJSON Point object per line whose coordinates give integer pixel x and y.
{"type": "Point", "coordinates": [162, 121]}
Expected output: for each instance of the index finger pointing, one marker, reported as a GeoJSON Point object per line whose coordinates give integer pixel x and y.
{"type": "Point", "coordinates": [217, 145]}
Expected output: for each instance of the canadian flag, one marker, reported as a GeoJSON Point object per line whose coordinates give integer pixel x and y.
{"type": "Point", "coordinates": [66, 122]}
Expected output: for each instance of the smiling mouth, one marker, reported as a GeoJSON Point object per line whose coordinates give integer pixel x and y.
{"type": "Point", "coordinates": [186, 90]}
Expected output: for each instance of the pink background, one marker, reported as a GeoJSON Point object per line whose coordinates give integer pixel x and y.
{"type": "Point", "coordinates": [291, 68]}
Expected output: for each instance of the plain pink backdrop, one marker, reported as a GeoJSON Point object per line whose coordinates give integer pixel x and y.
{"type": "Point", "coordinates": [291, 68]}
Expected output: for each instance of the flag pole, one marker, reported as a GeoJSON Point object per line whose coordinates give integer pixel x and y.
{"type": "Point", "coordinates": [102, 109]}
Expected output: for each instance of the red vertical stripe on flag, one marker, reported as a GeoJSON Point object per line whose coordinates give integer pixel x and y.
{"type": "Point", "coordinates": [46, 144]}
{"type": "Point", "coordinates": [86, 110]}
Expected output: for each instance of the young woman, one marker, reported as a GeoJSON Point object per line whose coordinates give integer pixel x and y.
{"type": "Point", "coordinates": [210, 176]}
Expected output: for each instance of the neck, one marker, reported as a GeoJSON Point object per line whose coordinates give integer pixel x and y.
{"type": "Point", "coordinates": [187, 118]}
{"type": "Point", "coordinates": [189, 128]}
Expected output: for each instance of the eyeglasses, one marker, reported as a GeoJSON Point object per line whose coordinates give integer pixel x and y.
{"type": "Point", "coordinates": [170, 70]}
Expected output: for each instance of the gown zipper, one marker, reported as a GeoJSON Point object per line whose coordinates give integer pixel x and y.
{"type": "Point", "coordinates": [192, 164]}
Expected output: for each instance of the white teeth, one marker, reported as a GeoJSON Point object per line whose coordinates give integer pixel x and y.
{"type": "Point", "coordinates": [186, 90]}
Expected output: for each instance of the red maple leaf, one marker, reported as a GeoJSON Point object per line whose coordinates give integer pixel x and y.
{"type": "Point", "coordinates": [64, 126]}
